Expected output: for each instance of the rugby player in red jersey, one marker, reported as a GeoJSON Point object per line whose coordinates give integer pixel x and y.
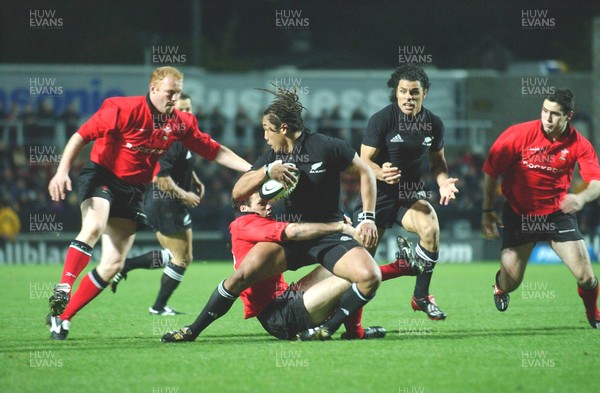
{"type": "Point", "coordinates": [130, 134]}
{"type": "Point", "coordinates": [536, 160]}
{"type": "Point", "coordinates": [286, 310]}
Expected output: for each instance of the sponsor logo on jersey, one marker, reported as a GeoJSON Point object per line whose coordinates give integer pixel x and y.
{"type": "Point", "coordinates": [397, 139]}
{"type": "Point", "coordinates": [317, 168]}
{"type": "Point", "coordinates": [345, 238]}
{"type": "Point", "coordinates": [144, 149]}
{"type": "Point", "coordinates": [427, 141]}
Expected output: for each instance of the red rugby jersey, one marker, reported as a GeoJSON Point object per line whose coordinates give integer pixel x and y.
{"type": "Point", "coordinates": [246, 231]}
{"type": "Point", "coordinates": [129, 139]}
{"type": "Point", "coordinates": [537, 172]}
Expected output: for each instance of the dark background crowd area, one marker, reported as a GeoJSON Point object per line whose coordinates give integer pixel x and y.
{"type": "Point", "coordinates": [26, 169]}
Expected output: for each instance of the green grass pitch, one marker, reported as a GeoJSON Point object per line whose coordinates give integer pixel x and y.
{"type": "Point", "coordinates": [541, 344]}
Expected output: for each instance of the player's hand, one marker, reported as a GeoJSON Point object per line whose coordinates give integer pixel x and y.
{"type": "Point", "coordinates": [390, 174]}
{"type": "Point", "coordinates": [285, 173]}
{"type": "Point", "coordinates": [489, 225]}
{"type": "Point", "coordinates": [448, 190]}
{"type": "Point", "coordinates": [367, 231]}
{"type": "Point", "coordinates": [347, 219]}
{"type": "Point", "coordinates": [199, 189]}
{"type": "Point", "coordinates": [190, 199]}
{"type": "Point", "coordinates": [57, 186]}
{"type": "Point", "coordinates": [572, 203]}
{"type": "Point", "coordinates": [348, 229]}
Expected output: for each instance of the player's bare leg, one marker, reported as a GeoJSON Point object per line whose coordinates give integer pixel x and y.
{"type": "Point", "coordinates": [575, 255]}
{"type": "Point", "coordinates": [422, 219]}
{"type": "Point", "coordinates": [512, 269]}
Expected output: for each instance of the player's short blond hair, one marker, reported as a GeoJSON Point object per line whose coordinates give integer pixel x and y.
{"type": "Point", "coordinates": [163, 72]}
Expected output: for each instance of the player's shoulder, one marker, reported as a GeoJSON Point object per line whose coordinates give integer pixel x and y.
{"type": "Point", "coordinates": [432, 117]}
{"type": "Point", "coordinates": [387, 112]}
{"type": "Point", "coordinates": [124, 101]}
{"type": "Point", "coordinates": [186, 117]}
{"type": "Point", "coordinates": [324, 142]}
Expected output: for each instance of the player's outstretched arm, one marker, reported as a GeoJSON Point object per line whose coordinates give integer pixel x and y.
{"type": "Point", "coordinates": [168, 185]}
{"type": "Point", "coordinates": [439, 171]}
{"type": "Point", "coordinates": [311, 230]}
{"type": "Point", "coordinates": [489, 218]}
{"type": "Point", "coordinates": [61, 179]}
{"type": "Point", "coordinates": [229, 159]}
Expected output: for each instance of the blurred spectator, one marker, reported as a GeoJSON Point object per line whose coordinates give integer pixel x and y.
{"type": "Point", "coordinates": [358, 119]}
{"type": "Point", "coordinates": [201, 117]}
{"type": "Point", "coordinates": [10, 225]}
{"type": "Point", "coordinates": [46, 121]}
{"type": "Point", "coordinates": [325, 124]}
{"type": "Point", "coordinates": [71, 118]}
{"type": "Point", "coordinates": [29, 119]}
{"type": "Point", "coordinates": [217, 123]}
{"type": "Point", "coordinates": [242, 122]}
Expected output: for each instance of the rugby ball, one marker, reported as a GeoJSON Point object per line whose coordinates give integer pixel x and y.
{"type": "Point", "coordinates": [272, 190]}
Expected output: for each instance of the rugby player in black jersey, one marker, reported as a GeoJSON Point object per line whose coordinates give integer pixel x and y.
{"type": "Point", "coordinates": [318, 160]}
{"type": "Point", "coordinates": [397, 140]}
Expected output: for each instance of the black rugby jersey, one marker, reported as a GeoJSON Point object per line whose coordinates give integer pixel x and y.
{"type": "Point", "coordinates": [178, 163]}
{"type": "Point", "coordinates": [404, 141]}
{"type": "Point", "coordinates": [320, 160]}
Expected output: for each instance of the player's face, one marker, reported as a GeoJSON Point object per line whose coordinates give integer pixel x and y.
{"type": "Point", "coordinates": [274, 137]}
{"type": "Point", "coordinates": [410, 95]}
{"type": "Point", "coordinates": [184, 105]}
{"type": "Point", "coordinates": [165, 93]}
{"type": "Point", "coordinates": [554, 120]}
{"type": "Point", "coordinates": [259, 206]}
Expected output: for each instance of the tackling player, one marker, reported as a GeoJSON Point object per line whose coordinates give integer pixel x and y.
{"type": "Point", "coordinates": [176, 189]}
{"type": "Point", "coordinates": [395, 144]}
{"type": "Point", "coordinates": [536, 160]}
{"type": "Point", "coordinates": [130, 134]}
{"type": "Point", "coordinates": [287, 310]}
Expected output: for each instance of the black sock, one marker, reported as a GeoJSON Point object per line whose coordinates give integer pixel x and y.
{"type": "Point", "coordinates": [150, 260]}
{"type": "Point", "coordinates": [430, 258]}
{"type": "Point", "coordinates": [350, 301]}
{"type": "Point", "coordinates": [219, 303]}
{"type": "Point", "coordinates": [172, 276]}
{"type": "Point", "coordinates": [97, 280]}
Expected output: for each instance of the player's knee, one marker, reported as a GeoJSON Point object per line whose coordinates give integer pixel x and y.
{"type": "Point", "coordinates": [586, 280]}
{"type": "Point", "coordinates": [430, 232]}
{"type": "Point", "coordinates": [237, 282]}
{"type": "Point", "coordinates": [369, 277]}
{"type": "Point", "coordinates": [91, 232]}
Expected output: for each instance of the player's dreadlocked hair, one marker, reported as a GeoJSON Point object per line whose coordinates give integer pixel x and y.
{"type": "Point", "coordinates": [409, 72]}
{"type": "Point", "coordinates": [564, 97]}
{"type": "Point", "coordinates": [285, 108]}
